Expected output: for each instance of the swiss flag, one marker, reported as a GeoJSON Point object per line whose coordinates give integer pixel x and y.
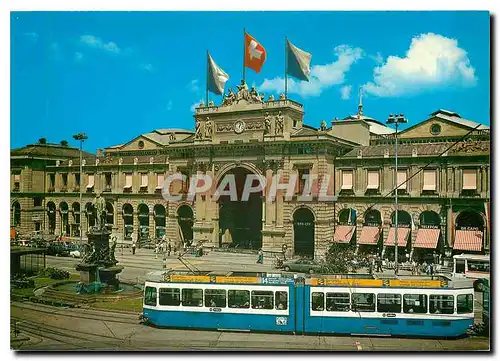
{"type": "Point", "coordinates": [255, 54]}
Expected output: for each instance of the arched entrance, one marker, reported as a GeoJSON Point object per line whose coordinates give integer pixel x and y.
{"type": "Point", "coordinates": [16, 214]}
{"type": "Point", "coordinates": [128, 221]}
{"type": "Point", "coordinates": [63, 209]}
{"type": "Point", "coordinates": [110, 216]}
{"type": "Point", "coordinates": [346, 227]}
{"type": "Point", "coordinates": [240, 222]}
{"type": "Point", "coordinates": [51, 213]}
{"type": "Point", "coordinates": [403, 236]}
{"type": "Point", "coordinates": [469, 233]}
{"type": "Point", "coordinates": [159, 212]}
{"type": "Point", "coordinates": [185, 221]}
{"type": "Point", "coordinates": [369, 239]}
{"type": "Point", "coordinates": [75, 225]}
{"type": "Point", "coordinates": [143, 216]}
{"type": "Point", "coordinates": [429, 241]}
{"type": "Point", "coordinates": [303, 232]}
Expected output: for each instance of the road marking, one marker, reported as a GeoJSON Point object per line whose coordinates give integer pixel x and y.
{"type": "Point", "coordinates": [358, 346]}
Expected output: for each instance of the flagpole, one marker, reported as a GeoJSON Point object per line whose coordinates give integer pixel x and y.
{"type": "Point", "coordinates": [286, 69]}
{"type": "Point", "coordinates": [208, 70]}
{"type": "Point", "coordinates": [244, 32]}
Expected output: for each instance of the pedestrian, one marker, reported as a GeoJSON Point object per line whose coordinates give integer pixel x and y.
{"type": "Point", "coordinates": [431, 270]}
{"type": "Point", "coordinates": [283, 250]}
{"type": "Point", "coordinates": [133, 247]}
{"type": "Point", "coordinates": [157, 250]}
{"type": "Point", "coordinates": [169, 249]}
{"type": "Point", "coordinates": [260, 258]}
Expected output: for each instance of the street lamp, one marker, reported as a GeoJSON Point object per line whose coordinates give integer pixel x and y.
{"type": "Point", "coordinates": [81, 137]}
{"type": "Point", "coordinates": [396, 119]}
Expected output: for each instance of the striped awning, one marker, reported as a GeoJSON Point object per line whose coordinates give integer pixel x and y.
{"type": "Point", "coordinates": [427, 238]}
{"type": "Point", "coordinates": [402, 237]}
{"type": "Point", "coordinates": [468, 240]}
{"type": "Point", "coordinates": [369, 235]}
{"type": "Point", "coordinates": [343, 234]}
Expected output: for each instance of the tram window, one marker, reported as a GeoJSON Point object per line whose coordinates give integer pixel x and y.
{"type": "Point", "coordinates": [263, 300]}
{"type": "Point", "coordinates": [415, 303]}
{"type": "Point", "coordinates": [389, 302]}
{"type": "Point", "coordinates": [441, 304]}
{"type": "Point", "coordinates": [192, 297]}
{"type": "Point", "coordinates": [281, 300]}
{"type": "Point", "coordinates": [150, 296]}
{"type": "Point", "coordinates": [170, 296]}
{"type": "Point", "coordinates": [215, 298]}
{"type": "Point", "coordinates": [478, 266]}
{"type": "Point", "coordinates": [337, 302]}
{"type": "Point", "coordinates": [238, 299]}
{"type": "Point", "coordinates": [318, 301]}
{"type": "Point", "coordinates": [465, 303]}
{"type": "Point", "coordinates": [363, 302]}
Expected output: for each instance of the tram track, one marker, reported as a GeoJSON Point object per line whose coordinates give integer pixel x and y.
{"type": "Point", "coordinates": [87, 313]}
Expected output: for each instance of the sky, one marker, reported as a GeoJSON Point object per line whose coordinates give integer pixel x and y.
{"type": "Point", "coordinates": [115, 75]}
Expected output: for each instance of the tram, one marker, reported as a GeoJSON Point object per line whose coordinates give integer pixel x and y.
{"type": "Point", "coordinates": [322, 304]}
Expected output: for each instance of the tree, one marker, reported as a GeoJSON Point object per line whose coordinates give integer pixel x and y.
{"type": "Point", "coordinates": [42, 141]}
{"type": "Point", "coordinates": [340, 259]}
{"type": "Point", "coordinates": [64, 143]}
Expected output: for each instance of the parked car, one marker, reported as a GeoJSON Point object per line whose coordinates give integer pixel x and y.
{"type": "Point", "coordinates": [58, 249]}
{"type": "Point", "coordinates": [75, 253]}
{"type": "Point", "coordinates": [301, 265]}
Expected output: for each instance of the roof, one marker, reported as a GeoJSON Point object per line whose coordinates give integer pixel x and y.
{"type": "Point", "coordinates": [376, 127]}
{"type": "Point", "coordinates": [304, 131]}
{"type": "Point", "coordinates": [431, 149]}
{"type": "Point", "coordinates": [115, 160]}
{"type": "Point", "coordinates": [55, 151]}
{"type": "Point", "coordinates": [455, 118]}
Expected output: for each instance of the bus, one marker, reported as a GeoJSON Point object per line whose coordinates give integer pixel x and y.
{"type": "Point", "coordinates": [472, 266]}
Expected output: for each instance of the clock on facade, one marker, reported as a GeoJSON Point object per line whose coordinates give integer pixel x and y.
{"type": "Point", "coordinates": [239, 126]}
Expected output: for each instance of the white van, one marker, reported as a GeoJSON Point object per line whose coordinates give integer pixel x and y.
{"type": "Point", "coordinates": [475, 267]}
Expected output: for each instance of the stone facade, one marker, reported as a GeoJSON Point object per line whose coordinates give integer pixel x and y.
{"type": "Point", "coordinates": [264, 138]}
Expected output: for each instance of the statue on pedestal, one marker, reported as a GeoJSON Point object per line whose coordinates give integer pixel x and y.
{"type": "Point", "coordinates": [229, 98]}
{"type": "Point", "coordinates": [198, 129]}
{"type": "Point", "coordinates": [267, 123]}
{"type": "Point", "coordinates": [323, 126]}
{"type": "Point", "coordinates": [208, 128]}
{"type": "Point", "coordinates": [100, 207]}
{"type": "Point", "coordinates": [279, 123]}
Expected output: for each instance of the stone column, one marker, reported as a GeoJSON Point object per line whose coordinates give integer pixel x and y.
{"type": "Point", "coordinates": [152, 224]}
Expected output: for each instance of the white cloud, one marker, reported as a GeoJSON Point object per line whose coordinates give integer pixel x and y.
{"type": "Point", "coordinates": [194, 86]}
{"type": "Point", "coordinates": [32, 35]}
{"type": "Point", "coordinates": [345, 92]}
{"type": "Point", "coordinates": [432, 61]}
{"type": "Point", "coordinates": [379, 59]}
{"type": "Point", "coordinates": [169, 106]}
{"type": "Point", "coordinates": [78, 56]}
{"type": "Point", "coordinates": [147, 67]}
{"type": "Point", "coordinates": [98, 43]}
{"type": "Point", "coordinates": [195, 105]}
{"type": "Point", "coordinates": [322, 76]}
{"type": "Point", "coordinates": [56, 51]}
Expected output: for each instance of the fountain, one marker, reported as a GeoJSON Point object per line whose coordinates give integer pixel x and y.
{"type": "Point", "coordinates": [98, 268]}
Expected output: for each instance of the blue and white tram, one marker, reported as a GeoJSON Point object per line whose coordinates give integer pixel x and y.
{"type": "Point", "coordinates": [223, 303]}
{"type": "Point", "coordinates": [365, 308]}
{"type": "Point", "coordinates": [327, 305]}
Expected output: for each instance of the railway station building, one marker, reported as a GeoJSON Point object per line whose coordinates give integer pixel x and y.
{"type": "Point", "coordinates": [443, 209]}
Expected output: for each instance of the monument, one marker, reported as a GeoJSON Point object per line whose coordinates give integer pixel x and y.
{"type": "Point", "coordinates": [98, 268]}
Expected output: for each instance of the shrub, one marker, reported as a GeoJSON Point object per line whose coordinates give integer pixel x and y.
{"type": "Point", "coordinates": [54, 273]}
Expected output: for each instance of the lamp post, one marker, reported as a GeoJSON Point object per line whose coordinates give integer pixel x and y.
{"type": "Point", "coordinates": [396, 119]}
{"type": "Point", "coordinates": [81, 137]}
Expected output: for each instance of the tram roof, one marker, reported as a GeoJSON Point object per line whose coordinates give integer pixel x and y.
{"type": "Point", "coordinates": [351, 280]}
